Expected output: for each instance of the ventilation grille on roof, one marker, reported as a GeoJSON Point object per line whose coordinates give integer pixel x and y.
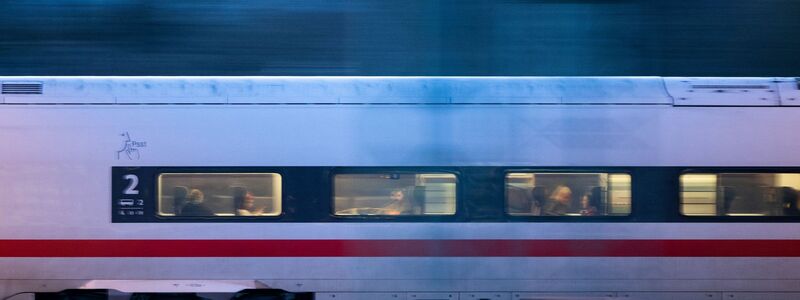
{"type": "Point", "coordinates": [22, 88]}
{"type": "Point", "coordinates": [730, 86]}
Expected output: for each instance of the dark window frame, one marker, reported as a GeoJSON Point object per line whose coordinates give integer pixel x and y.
{"type": "Point", "coordinates": [307, 195]}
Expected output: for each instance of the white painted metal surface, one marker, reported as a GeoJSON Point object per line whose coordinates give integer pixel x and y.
{"type": "Point", "coordinates": [361, 296]}
{"type": "Point", "coordinates": [689, 91]}
{"type": "Point", "coordinates": [369, 136]}
{"type": "Point", "coordinates": [761, 296]}
{"type": "Point", "coordinates": [485, 296]}
{"type": "Point", "coordinates": [565, 296]}
{"type": "Point", "coordinates": [345, 90]}
{"type": "Point", "coordinates": [671, 296]}
{"type": "Point", "coordinates": [683, 91]}
{"type": "Point", "coordinates": [55, 165]}
{"type": "Point", "coordinates": [789, 89]}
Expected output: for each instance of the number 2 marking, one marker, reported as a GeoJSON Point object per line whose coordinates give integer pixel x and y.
{"type": "Point", "coordinates": [133, 182]}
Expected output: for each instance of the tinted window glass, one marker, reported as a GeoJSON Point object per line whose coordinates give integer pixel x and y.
{"type": "Point", "coordinates": [740, 194]}
{"type": "Point", "coordinates": [219, 194]}
{"type": "Point", "coordinates": [401, 194]}
{"type": "Point", "coordinates": [568, 194]}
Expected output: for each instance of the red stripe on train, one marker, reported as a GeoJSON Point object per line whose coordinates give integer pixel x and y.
{"type": "Point", "coordinates": [399, 248]}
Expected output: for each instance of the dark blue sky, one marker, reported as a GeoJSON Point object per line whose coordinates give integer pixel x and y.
{"type": "Point", "coordinates": [367, 37]}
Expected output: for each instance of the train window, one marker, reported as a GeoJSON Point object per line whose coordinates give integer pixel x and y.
{"type": "Point", "coordinates": [386, 194]}
{"type": "Point", "coordinates": [568, 194]}
{"type": "Point", "coordinates": [219, 194]}
{"type": "Point", "coordinates": [740, 194]}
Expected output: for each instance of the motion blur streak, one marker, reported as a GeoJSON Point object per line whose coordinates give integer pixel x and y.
{"type": "Point", "coordinates": [361, 37]}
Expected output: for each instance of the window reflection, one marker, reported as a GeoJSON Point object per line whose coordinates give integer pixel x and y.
{"type": "Point", "coordinates": [395, 194]}
{"type": "Point", "coordinates": [740, 194]}
{"type": "Point", "coordinates": [568, 194]}
{"type": "Point", "coordinates": [219, 194]}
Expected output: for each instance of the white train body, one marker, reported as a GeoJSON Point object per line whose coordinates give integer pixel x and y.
{"type": "Point", "coordinates": [58, 145]}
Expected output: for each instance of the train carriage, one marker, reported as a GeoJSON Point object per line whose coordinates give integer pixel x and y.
{"type": "Point", "coordinates": [400, 187]}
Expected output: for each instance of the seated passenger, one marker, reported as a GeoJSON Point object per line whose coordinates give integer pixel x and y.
{"type": "Point", "coordinates": [399, 205]}
{"type": "Point", "coordinates": [194, 205]}
{"type": "Point", "coordinates": [179, 199]}
{"type": "Point", "coordinates": [518, 200]}
{"type": "Point", "coordinates": [728, 197]}
{"type": "Point", "coordinates": [589, 204]}
{"type": "Point", "coordinates": [790, 201]}
{"type": "Point", "coordinates": [246, 205]}
{"type": "Point", "coordinates": [559, 202]}
{"type": "Point", "coordinates": [539, 198]}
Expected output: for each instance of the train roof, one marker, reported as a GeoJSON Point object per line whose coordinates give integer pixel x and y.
{"type": "Point", "coordinates": [671, 91]}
